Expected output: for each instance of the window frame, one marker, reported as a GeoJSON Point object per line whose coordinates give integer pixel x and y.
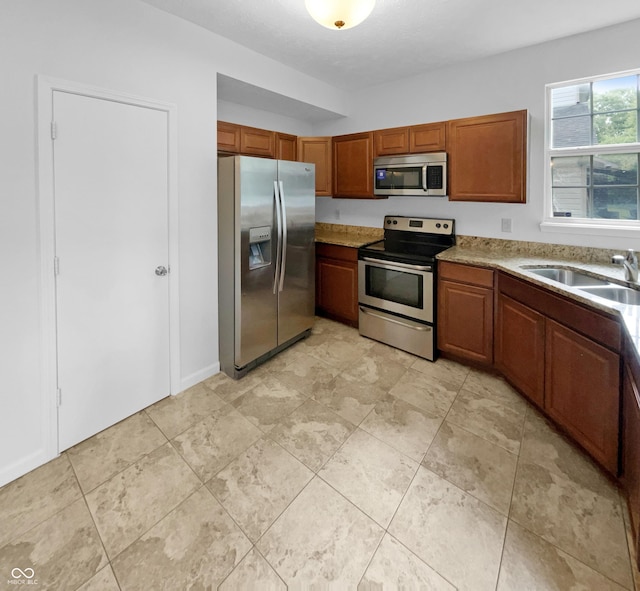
{"type": "Point", "coordinates": [599, 226]}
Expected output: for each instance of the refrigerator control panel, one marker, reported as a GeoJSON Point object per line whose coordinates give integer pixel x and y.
{"type": "Point", "coordinates": [259, 234]}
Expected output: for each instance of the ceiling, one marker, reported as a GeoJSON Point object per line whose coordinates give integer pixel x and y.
{"type": "Point", "coordinates": [401, 37]}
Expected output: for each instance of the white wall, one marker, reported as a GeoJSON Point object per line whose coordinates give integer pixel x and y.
{"type": "Point", "coordinates": [234, 113]}
{"type": "Point", "coordinates": [129, 47]}
{"type": "Point", "coordinates": [508, 82]}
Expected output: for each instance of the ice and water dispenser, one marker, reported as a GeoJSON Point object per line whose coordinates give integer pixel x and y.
{"type": "Point", "coordinates": [259, 247]}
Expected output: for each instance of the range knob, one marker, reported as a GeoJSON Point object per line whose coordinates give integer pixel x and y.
{"type": "Point", "coordinates": [446, 225]}
{"type": "Point", "coordinates": [395, 222]}
{"type": "Point", "coordinates": [438, 225]}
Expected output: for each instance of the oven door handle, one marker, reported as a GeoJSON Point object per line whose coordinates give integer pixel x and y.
{"type": "Point", "coordinates": [384, 263]}
{"type": "Point", "coordinates": [387, 318]}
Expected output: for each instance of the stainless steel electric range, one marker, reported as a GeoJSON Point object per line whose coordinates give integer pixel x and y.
{"type": "Point", "coordinates": [397, 283]}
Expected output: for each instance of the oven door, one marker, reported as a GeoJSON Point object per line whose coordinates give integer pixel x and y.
{"type": "Point", "coordinates": [400, 288]}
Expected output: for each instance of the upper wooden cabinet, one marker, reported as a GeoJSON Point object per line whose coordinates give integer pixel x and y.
{"type": "Point", "coordinates": [353, 165]}
{"type": "Point", "coordinates": [228, 137]}
{"type": "Point", "coordinates": [286, 146]}
{"type": "Point", "coordinates": [430, 137]}
{"type": "Point", "coordinates": [257, 142]}
{"type": "Point", "coordinates": [488, 157]}
{"type": "Point", "coordinates": [250, 141]}
{"type": "Point", "coordinates": [391, 141]}
{"type": "Point", "coordinates": [317, 150]}
{"type": "Point", "coordinates": [410, 140]}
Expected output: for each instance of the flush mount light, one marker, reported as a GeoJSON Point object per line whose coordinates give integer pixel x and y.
{"type": "Point", "coordinates": [339, 14]}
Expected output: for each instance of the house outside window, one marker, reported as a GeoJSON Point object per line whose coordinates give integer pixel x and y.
{"type": "Point", "coordinates": [593, 152]}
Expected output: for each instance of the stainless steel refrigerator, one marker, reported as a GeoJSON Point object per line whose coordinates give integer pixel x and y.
{"type": "Point", "coordinates": [266, 258]}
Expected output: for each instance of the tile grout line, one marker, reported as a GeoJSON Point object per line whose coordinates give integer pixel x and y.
{"type": "Point", "coordinates": [531, 409]}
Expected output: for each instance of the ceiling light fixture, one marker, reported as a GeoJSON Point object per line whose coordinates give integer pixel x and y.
{"type": "Point", "coordinates": [339, 14]}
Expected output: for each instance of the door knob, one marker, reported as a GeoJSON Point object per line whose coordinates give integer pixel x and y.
{"type": "Point", "coordinates": [161, 271]}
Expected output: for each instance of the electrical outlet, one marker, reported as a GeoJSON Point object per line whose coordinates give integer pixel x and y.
{"type": "Point", "coordinates": [506, 224]}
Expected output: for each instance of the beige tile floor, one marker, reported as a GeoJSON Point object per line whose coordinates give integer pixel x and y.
{"type": "Point", "coordinates": [340, 464]}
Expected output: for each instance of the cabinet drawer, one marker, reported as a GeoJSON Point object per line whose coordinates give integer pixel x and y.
{"type": "Point", "coordinates": [466, 274]}
{"type": "Point", "coordinates": [334, 251]}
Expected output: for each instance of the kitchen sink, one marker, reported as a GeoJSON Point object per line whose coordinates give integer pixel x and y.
{"type": "Point", "coordinates": [623, 295]}
{"type": "Point", "coordinates": [568, 277]}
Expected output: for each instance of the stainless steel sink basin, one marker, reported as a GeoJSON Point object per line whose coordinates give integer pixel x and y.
{"type": "Point", "coordinates": [568, 277]}
{"type": "Point", "coordinates": [615, 293]}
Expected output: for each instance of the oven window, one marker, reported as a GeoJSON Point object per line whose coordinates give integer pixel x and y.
{"type": "Point", "coordinates": [399, 178]}
{"type": "Point", "coordinates": [395, 286]}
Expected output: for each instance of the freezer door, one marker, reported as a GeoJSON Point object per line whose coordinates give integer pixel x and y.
{"type": "Point", "coordinates": [296, 287]}
{"type": "Point", "coordinates": [256, 301]}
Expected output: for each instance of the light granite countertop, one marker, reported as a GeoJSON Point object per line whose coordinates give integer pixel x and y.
{"type": "Point", "coordinates": [343, 235]}
{"type": "Point", "coordinates": [515, 257]}
{"type": "Point", "coordinates": [518, 261]}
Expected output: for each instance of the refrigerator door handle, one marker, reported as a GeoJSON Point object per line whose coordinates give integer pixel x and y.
{"type": "Point", "coordinates": [283, 213]}
{"type": "Point", "coordinates": [276, 193]}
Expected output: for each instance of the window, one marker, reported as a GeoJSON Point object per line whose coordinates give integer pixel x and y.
{"type": "Point", "coordinates": [593, 151]}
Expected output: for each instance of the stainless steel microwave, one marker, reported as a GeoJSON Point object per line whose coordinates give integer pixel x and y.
{"type": "Point", "coordinates": [414, 174]}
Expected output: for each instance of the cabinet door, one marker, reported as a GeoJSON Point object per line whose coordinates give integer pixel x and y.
{"type": "Point", "coordinates": [519, 347]}
{"type": "Point", "coordinates": [465, 321]}
{"type": "Point", "coordinates": [317, 150]}
{"type": "Point", "coordinates": [337, 289]}
{"type": "Point", "coordinates": [427, 138]}
{"type": "Point", "coordinates": [391, 141]}
{"type": "Point", "coordinates": [631, 446]}
{"type": "Point", "coordinates": [487, 158]}
{"type": "Point", "coordinates": [582, 391]}
{"type": "Point", "coordinates": [257, 142]}
{"type": "Point", "coordinates": [228, 137]}
{"type": "Point", "coordinates": [353, 166]}
{"type": "Point", "coordinates": [286, 146]}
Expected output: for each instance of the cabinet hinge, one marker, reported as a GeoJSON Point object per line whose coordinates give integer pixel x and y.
{"type": "Point", "coordinates": [59, 397]}
{"type": "Point", "coordinates": [56, 266]}
{"type": "Point", "coordinates": [54, 130]}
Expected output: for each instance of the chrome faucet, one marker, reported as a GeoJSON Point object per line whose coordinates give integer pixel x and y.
{"type": "Point", "coordinates": [630, 262]}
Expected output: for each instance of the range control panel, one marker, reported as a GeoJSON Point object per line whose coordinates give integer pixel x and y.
{"type": "Point", "coordinates": [422, 225]}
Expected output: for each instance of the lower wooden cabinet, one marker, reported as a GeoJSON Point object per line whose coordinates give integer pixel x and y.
{"type": "Point", "coordinates": [337, 283]}
{"type": "Point", "coordinates": [631, 442]}
{"type": "Point", "coordinates": [519, 347]}
{"type": "Point", "coordinates": [566, 359]}
{"type": "Point", "coordinates": [582, 391]}
{"type": "Point", "coordinates": [465, 312]}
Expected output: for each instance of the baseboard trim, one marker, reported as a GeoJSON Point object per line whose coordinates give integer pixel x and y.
{"type": "Point", "coordinates": [199, 376]}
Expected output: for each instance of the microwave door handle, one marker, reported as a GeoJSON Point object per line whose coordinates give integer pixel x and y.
{"type": "Point", "coordinates": [424, 178]}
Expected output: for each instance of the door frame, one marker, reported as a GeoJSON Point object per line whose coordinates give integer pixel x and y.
{"type": "Point", "coordinates": [45, 87]}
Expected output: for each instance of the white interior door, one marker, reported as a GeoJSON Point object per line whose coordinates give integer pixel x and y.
{"type": "Point", "coordinates": [111, 233]}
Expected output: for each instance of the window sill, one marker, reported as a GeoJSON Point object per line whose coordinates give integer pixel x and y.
{"type": "Point", "coordinates": [595, 228]}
